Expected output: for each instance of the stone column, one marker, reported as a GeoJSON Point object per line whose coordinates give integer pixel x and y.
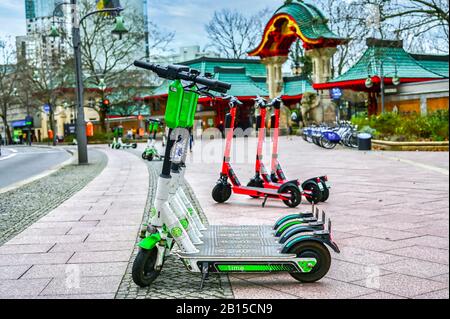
{"type": "Point", "coordinates": [274, 66]}
{"type": "Point", "coordinates": [321, 60]}
{"type": "Point", "coordinates": [275, 84]}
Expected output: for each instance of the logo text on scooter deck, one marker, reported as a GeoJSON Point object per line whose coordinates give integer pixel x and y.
{"type": "Point", "coordinates": [255, 268]}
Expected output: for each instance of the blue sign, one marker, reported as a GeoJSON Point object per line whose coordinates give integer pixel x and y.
{"type": "Point", "coordinates": [336, 93]}
{"type": "Point", "coordinates": [46, 108]}
{"type": "Point", "coordinates": [20, 123]}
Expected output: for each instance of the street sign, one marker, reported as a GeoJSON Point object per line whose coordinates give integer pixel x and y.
{"type": "Point", "coordinates": [46, 108]}
{"type": "Point", "coordinates": [336, 93]}
{"type": "Point", "coordinates": [391, 91]}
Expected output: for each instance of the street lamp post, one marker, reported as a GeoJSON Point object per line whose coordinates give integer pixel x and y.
{"type": "Point", "coordinates": [382, 75]}
{"type": "Point", "coordinates": [76, 41]}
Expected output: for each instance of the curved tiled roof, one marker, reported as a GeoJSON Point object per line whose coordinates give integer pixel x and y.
{"type": "Point", "coordinates": [310, 19]}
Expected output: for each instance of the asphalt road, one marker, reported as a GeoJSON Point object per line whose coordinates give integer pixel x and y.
{"type": "Point", "coordinates": [18, 163]}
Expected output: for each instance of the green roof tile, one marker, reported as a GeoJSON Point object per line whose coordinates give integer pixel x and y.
{"type": "Point", "coordinates": [435, 63]}
{"type": "Point", "coordinates": [247, 77]}
{"type": "Point", "coordinates": [407, 66]}
{"type": "Point", "coordinates": [311, 20]}
{"type": "Point", "coordinates": [296, 86]}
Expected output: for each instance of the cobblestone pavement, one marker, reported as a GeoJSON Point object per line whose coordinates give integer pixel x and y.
{"type": "Point", "coordinates": [21, 207]}
{"type": "Point", "coordinates": [174, 281]}
{"type": "Point", "coordinates": [390, 213]}
{"type": "Point", "coordinates": [82, 247]}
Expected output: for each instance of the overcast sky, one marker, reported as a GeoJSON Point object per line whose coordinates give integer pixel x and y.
{"type": "Point", "coordinates": [187, 18]}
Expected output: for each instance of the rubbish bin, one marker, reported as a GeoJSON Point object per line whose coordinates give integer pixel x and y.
{"type": "Point", "coordinates": [364, 142]}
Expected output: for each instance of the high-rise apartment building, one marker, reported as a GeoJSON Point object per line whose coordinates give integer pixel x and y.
{"type": "Point", "coordinates": [40, 49]}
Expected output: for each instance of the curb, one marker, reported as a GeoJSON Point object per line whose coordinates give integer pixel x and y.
{"type": "Point", "coordinates": [41, 175]}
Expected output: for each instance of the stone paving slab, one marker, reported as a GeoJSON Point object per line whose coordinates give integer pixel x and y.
{"type": "Point", "coordinates": [403, 285]}
{"type": "Point", "coordinates": [13, 272]}
{"type": "Point", "coordinates": [97, 269]}
{"type": "Point", "coordinates": [70, 257]}
{"type": "Point", "coordinates": [390, 217]}
{"type": "Point", "coordinates": [82, 285]}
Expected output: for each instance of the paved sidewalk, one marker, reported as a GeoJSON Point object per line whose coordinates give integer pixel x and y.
{"type": "Point", "coordinates": [390, 213]}
{"type": "Point", "coordinates": [81, 248]}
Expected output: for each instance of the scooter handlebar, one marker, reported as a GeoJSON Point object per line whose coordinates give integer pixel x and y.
{"type": "Point", "coordinates": [181, 72]}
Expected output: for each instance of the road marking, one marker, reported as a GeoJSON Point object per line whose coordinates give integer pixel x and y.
{"type": "Point", "coordinates": [7, 157]}
{"type": "Point", "coordinates": [39, 176]}
{"type": "Point", "coordinates": [436, 169]}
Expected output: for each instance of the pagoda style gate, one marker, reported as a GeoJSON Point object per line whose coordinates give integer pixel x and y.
{"type": "Point", "coordinates": [299, 20]}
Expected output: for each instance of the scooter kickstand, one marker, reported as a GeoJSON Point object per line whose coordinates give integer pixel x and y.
{"type": "Point", "coordinates": [205, 275]}
{"type": "Point", "coordinates": [265, 200]}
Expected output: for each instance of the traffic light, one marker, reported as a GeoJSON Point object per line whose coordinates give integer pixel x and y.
{"type": "Point", "coordinates": [106, 105]}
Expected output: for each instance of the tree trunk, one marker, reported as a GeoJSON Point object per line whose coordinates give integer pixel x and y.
{"type": "Point", "coordinates": [102, 114]}
{"type": "Point", "coordinates": [8, 136]}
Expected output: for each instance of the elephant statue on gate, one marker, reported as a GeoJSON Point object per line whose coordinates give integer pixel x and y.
{"type": "Point", "coordinates": [311, 112]}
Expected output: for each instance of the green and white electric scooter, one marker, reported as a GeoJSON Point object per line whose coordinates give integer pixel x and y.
{"type": "Point", "coordinates": [119, 144]}
{"type": "Point", "coordinates": [151, 152]}
{"type": "Point", "coordinates": [222, 249]}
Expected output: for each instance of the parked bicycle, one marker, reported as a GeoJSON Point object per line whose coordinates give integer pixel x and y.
{"type": "Point", "coordinates": [322, 135]}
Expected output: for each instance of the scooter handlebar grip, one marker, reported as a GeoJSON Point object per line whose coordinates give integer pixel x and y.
{"type": "Point", "coordinates": [145, 65]}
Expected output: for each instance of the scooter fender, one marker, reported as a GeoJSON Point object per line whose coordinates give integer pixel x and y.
{"type": "Point", "coordinates": [321, 238]}
{"type": "Point", "coordinates": [289, 233]}
{"type": "Point", "coordinates": [291, 217]}
{"type": "Point", "coordinates": [150, 242]}
{"type": "Point", "coordinates": [294, 222]}
{"type": "Point", "coordinates": [290, 183]}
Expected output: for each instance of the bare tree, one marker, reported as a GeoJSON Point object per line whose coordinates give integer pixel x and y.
{"type": "Point", "coordinates": [423, 24]}
{"type": "Point", "coordinates": [348, 20]}
{"type": "Point", "coordinates": [232, 34]}
{"type": "Point", "coordinates": [301, 64]}
{"type": "Point", "coordinates": [106, 58]}
{"type": "Point", "coordinates": [8, 83]}
{"type": "Point", "coordinates": [49, 82]}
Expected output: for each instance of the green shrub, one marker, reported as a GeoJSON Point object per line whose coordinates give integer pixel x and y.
{"type": "Point", "coordinates": [397, 127]}
{"type": "Point", "coordinates": [101, 137]}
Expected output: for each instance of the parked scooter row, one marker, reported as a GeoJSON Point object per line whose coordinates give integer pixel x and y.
{"type": "Point", "coordinates": [117, 144]}
{"type": "Point", "coordinates": [327, 137]}
{"type": "Point", "coordinates": [262, 185]}
{"type": "Point", "coordinates": [151, 152]}
{"type": "Point", "coordinates": [296, 244]}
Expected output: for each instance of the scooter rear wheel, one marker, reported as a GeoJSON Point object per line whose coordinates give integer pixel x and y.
{"type": "Point", "coordinates": [325, 193]}
{"type": "Point", "coordinates": [296, 195]}
{"type": "Point", "coordinates": [150, 157]}
{"type": "Point", "coordinates": [221, 192]}
{"type": "Point", "coordinates": [312, 249]}
{"type": "Point", "coordinates": [316, 194]}
{"type": "Point", "coordinates": [143, 271]}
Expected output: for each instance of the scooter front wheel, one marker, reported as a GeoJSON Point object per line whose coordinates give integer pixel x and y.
{"type": "Point", "coordinates": [143, 272]}
{"type": "Point", "coordinates": [318, 251]}
{"type": "Point", "coordinates": [144, 156]}
{"type": "Point", "coordinates": [221, 193]}
{"type": "Point", "coordinates": [296, 195]}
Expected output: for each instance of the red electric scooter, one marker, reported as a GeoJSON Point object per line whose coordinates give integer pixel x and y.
{"type": "Point", "coordinates": [262, 179]}
{"type": "Point", "coordinates": [288, 192]}
{"type": "Point", "coordinates": [317, 186]}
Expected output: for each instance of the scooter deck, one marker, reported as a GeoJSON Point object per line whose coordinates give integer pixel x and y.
{"type": "Point", "coordinates": [230, 232]}
{"type": "Point", "coordinates": [228, 242]}
{"type": "Point", "coordinates": [230, 235]}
